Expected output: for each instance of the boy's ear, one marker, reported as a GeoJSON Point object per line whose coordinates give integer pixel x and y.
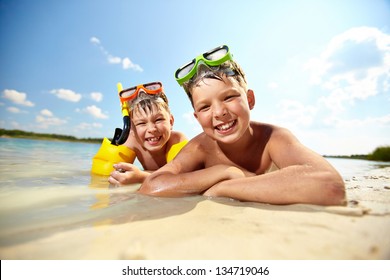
{"type": "Point", "coordinates": [172, 121]}
{"type": "Point", "coordinates": [251, 98]}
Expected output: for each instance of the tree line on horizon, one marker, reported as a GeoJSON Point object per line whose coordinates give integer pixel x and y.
{"type": "Point", "coordinates": [47, 136]}
{"type": "Point", "coordinates": [379, 154]}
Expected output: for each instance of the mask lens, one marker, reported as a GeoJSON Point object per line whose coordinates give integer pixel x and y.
{"type": "Point", "coordinates": [185, 70]}
{"type": "Point", "coordinates": [128, 92]}
{"type": "Point", "coordinates": [217, 54]}
{"type": "Point", "coordinates": [153, 86]}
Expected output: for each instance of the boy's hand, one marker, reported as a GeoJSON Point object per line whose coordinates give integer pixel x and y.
{"type": "Point", "coordinates": [126, 173]}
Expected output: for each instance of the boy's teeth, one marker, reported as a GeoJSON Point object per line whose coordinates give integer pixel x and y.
{"type": "Point", "coordinates": [225, 126]}
{"type": "Point", "coordinates": [154, 139]}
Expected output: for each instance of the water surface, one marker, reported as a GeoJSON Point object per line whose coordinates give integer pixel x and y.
{"type": "Point", "coordinates": [46, 187]}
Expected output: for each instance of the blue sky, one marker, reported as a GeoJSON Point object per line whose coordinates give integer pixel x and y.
{"type": "Point", "coordinates": [319, 68]}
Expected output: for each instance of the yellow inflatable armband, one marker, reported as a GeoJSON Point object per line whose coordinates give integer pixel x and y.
{"type": "Point", "coordinates": [175, 149]}
{"type": "Point", "coordinates": [108, 155]}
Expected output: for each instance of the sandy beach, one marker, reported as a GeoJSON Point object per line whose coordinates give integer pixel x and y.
{"type": "Point", "coordinates": [226, 229]}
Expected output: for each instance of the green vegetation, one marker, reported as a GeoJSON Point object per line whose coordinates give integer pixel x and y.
{"type": "Point", "coordinates": [45, 136]}
{"type": "Point", "coordinates": [350, 157]}
{"type": "Point", "coordinates": [380, 154]}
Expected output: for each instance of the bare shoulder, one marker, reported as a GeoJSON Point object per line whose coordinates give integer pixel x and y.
{"type": "Point", "coordinates": [285, 149]}
{"type": "Point", "coordinates": [131, 141]}
{"type": "Point", "coordinates": [178, 136]}
{"type": "Point", "coordinates": [270, 133]}
{"type": "Point", "coordinates": [197, 148]}
{"type": "Point", "coordinates": [277, 133]}
{"type": "Point", "coordinates": [262, 128]}
{"type": "Point", "coordinates": [175, 138]}
{"type": "Point", "coordinates": [191, 157]}
{"type": "Point", "coordinates": [199, 142]}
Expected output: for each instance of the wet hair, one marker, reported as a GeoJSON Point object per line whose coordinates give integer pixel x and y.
{"type": "Point", "coordinates": [230, 69]}
{"type": "Point", "coordinates": [153, 103]}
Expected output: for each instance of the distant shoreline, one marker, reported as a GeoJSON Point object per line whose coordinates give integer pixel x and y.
{"type": "Point", "coordinates": [5, 133]}
{"type": "Point", "coordinates": [363, 157]}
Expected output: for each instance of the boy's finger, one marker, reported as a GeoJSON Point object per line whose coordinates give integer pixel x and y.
{"type": "Point", "coordinates": [123, 167]}
{"type": "Point", "coordinates": [112, 180]}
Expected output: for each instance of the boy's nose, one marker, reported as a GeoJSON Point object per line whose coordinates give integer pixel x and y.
{"type": "Point", "coordinates": [152, 127]}
{"type": "Point", "coordinates": [219, 111]}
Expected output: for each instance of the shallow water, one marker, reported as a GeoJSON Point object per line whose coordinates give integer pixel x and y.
{"type": "Point", "coordinates": [46, 187]}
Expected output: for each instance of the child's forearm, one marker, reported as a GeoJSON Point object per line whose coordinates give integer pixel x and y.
{"type": "Point", "coordinates": [165, 183]}
{"type": "Point", "coordinates": [294, 184]}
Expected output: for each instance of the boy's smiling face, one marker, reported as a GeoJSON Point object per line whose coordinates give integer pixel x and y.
{"type": "Point", "coordinates": [222, 108]}
{"type": "Point", "coordinates": [152, 127]}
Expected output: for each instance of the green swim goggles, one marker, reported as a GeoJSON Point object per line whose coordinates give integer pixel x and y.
{"type": "Point", "coordinates": [214, 57]}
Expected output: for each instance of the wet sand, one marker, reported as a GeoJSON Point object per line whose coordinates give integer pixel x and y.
{"type": "Point", "coordinates": [226, 229]}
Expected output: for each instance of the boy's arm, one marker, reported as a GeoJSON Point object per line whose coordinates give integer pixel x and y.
{"type": "Point", "coordinates": [185, 175]}
{"type": "Point", "coordinates": [303, 177]}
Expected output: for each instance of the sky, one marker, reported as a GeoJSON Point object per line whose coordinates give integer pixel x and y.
{"type": "Point", "coordinates": [319, 68]}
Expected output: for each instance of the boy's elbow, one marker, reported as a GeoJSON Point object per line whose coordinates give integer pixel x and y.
{"type": "Point", "coordinates": [155, 186]}
{"type": "Point", "coordinates": [335, 193]}
{"type": "Point", "coordinates": [149, 188]}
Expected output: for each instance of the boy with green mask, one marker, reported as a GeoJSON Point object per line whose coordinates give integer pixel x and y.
{"type": "Point", "coordinates": [233, 155]}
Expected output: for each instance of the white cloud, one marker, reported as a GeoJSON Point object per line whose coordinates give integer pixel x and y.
{"type": "Point", "coordinates": [13, 110]}
{"type": "Point", "coordinates": [94, 111]}
{"type": "Point", "coordinates": [46, 119]}
{"type": "Point", "coordinates": [17, 97]}
{"type": "Point", "coordinates": [94, 41]}
{"type": "Point", "coordinates": [97, 96]}
{"type": "Point", "coordinates": [46, 113]}
{"type": "Point", "coordinates": [354, 66]}
{"type": "Point", "coordinates": [292, 113]}
{"type": "Point", "coordinates": [128, 64]}
{"type": "Point", "coordinates": [112, 59]}
{"type": "Point", "coordinates": [88, 126]}
{"type": "Point", "coordinates": [66, 94]}
{"type": "Point", "coordinates": [356, 123]}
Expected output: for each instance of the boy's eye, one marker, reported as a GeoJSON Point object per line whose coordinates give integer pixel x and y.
{"type": "Point", "coordinates": [203, 108]}
{"type": "Point", "coordinates": [230, 97]}
{"type": "Point", "coordinates": [159, 118]}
